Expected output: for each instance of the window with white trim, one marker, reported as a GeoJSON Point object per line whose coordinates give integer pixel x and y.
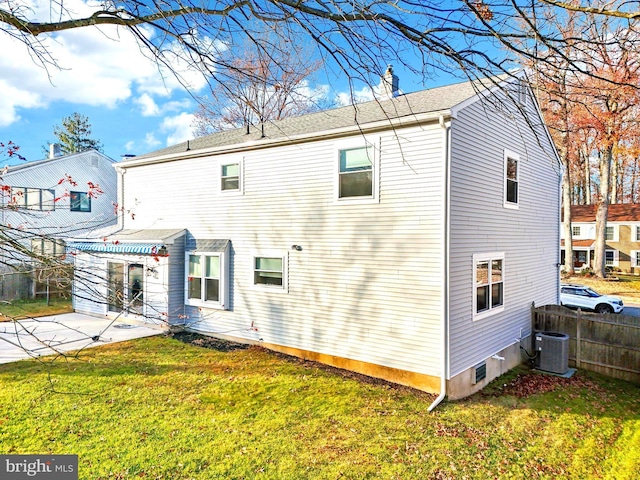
{"type": "Point", "coordinates": [636, 230]}
{"type": "Point", "coordinates": [611, 258]}
{"type": "Point", "coordinates": [575, 231]}
{"type": "Point", "coordinates": [231, 176]}
{"type": "Point", "coordinates": [488, 274]}
{"type": "Point", "coordinates": [357, 171]}
{"type": "Point", "coordinates": [611, 233]}
{"type": "Point", "coordinates": [33, 198]}
{"type": "Point", "coordinates": [270, 271]}
{"type": "Point", "coordinates": [511, 179]}
{"type": "Point", "coordinates": [206, 279]}
{"type": "Point", "coordinates": [48, 247]}
{"type": "Point", "coordinates": [635, 258]}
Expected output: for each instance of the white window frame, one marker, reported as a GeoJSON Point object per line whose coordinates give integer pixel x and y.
{"type": "Point", "coordinates": [21, 194]}
{"type": "Point", "coordinates": [223, 300]}
{"type": "Point", "coordinates": [284, 288]}
{"type": "Point", "coordinates": [359, 142]}
{"type": "Point", "coordinates": [636, 233]}
{"type": "Point", "coordinates": [232, 161]}
{"type": "Point", "coordinates": [575, 231]}
{"type": "Point", "coordinates": [615, 237]}
{"type": "Point", "coordinates": [616, 258]}
{"type": "Point", "coordinates": [635, 256]}
{"type": "Point", "coordinates": [487, 257]}
{"type": "Point", "coordinates": [507, 204]}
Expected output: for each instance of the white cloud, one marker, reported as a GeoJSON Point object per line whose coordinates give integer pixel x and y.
{"type": "Point", "coordinates": [148, 106]}
{"type": "Point", "coordinates": [98, 66]}
{"type": "Point", "coordinates": [178, 128]}
{"type": "Point", "coordinates": [150, 141]}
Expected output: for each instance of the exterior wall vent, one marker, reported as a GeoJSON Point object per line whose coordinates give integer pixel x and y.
{"type": "Point", "coordinates": [93, 160]}
{"type": "Point", "coordinates": [553, 352]}
{"type": "Point", "coordinates": [479, 372]}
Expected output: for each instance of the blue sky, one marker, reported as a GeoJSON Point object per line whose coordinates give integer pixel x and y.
{"type": "Point", "coordinates": [132, 106]}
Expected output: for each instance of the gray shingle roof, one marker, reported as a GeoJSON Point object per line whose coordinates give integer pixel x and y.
{"type": "Point", "coordinates": [425, 101]}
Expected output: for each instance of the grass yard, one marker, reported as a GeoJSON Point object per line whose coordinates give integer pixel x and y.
{"type": "Point", "coordinates": [160, 408]}
{"type": "Point", "coordinates": [21, 309]}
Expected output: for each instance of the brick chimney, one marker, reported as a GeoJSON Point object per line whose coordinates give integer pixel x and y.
{"type": "Point", "coordinates": [389, 84]}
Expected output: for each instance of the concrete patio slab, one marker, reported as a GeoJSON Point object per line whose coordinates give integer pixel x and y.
{"type": "Point", "coordinates": [67, 332]}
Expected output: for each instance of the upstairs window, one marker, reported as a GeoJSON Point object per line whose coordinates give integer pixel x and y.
{"type": "Point", "coordinates": [488, 283]}
{"type": "Point", "coordinates": [230, 177]}
{"type": "Point", "coordinates": [80, 202]}
{"type": "Point", "coordinates": [636, 230]}
{"type": "Point", "coordinates": [511, 180]}
{"type": "Point", "coordinates": [357, 171]}
{"type": "Point", "coordinates": [610, 234]}
{"type": "Point", "coordinates": [575, 231]}
{"type": "Point", "coordinates": [33, 198]}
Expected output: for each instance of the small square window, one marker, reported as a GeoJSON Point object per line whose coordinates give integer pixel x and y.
{"type": "Point", "coordinates": [575, 231]}
{"type": "Point", "coordinates": [268, 271]}
{"type": "Point", "coordinates": [80, 202]}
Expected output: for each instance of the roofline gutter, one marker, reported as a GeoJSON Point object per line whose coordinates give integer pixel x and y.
{"type": "Point", "coordinates": [405, 121]}
{"type": "Point", "coordinates": [446, 211]}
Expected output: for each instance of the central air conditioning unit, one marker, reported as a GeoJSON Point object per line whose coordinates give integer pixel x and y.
{"type": "Point", "coordinates": [553, 352]}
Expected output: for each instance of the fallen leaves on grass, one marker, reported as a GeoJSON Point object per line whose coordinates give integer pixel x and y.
{"type": "Point", "coordinates": [525, 385]}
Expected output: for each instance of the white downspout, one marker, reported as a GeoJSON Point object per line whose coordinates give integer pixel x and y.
{"type": "Point", "coordinates": [446, 181]}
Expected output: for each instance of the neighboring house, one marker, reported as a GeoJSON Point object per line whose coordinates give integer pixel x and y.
{"type": "Point", "coordinates": [43, 202]}
{"type": "Point", "coordinates": [404, 238]}
{"type": "Point", "coordinates": [622, 251]}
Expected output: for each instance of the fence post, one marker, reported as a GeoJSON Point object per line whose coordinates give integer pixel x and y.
{"type": "Point", "coordinates": [578, 338]}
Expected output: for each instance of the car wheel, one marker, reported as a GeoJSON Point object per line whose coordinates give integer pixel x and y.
{"type": "Point", "coordinates": [603, 308]}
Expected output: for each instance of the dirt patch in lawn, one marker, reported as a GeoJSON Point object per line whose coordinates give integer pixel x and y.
{"type": "Point", "coordinates": [533, 383]}
{"type": "Point", "coordinates": [208, 342]}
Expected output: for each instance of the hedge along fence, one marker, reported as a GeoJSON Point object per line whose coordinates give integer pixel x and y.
{"type": "Point", "coordinates": [604, 343]}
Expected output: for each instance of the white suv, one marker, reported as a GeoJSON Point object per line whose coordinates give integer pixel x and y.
{"type": "Point", "coordinates": [580, 296]}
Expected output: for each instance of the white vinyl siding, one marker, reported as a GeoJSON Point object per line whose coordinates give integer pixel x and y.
{"type": "Point", "coordinates": [346, 291]}
{"type": "Point", "coordinates": [528, 235]}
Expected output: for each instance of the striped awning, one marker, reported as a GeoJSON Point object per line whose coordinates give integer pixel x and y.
{"type": "Point", "coordinates": [105, 247]}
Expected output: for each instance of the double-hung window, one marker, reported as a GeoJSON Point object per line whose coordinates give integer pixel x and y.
{"type": "Point", "coordinates": [231, 176]}
{"type": "Point", "coordinates": [635, 258]}
{"type": "Point", "coordinates": [488, 273]}
{"type": "Point", "coordinates": [511, 179]}
{"type": "Point", "coordinates": [80, 202]}
{"type": "Point", "coordinates": [575, 231]}
{"type": "Point", "coordinates": [610, 233]}
{"type": "Point", "coordinates": [357, 171]}
{"type": "Point", "coordinates": [48, 247]}
{"type": "Point", "coordinates": [206, 279]}
{"type": "Point", "coordinates": [611, 258]}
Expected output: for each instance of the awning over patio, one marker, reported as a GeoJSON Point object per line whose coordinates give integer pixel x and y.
{"type": "Point", "coordinates": [140, 242]}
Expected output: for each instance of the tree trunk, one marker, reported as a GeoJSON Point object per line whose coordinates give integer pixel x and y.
{"type": "Point", "coordinates": [602, 211]}
{"type": "Point", "coordinates": [566, 222]}
{"type": "Point", "coordinates": [587, 177]}
{"type": "Point", "coordinates": [614, 182]}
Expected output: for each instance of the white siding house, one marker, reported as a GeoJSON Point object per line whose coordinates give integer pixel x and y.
{"type": "Point", "coordinates": [404, 238]}
{"type": "Point", "coordinates": [44, 202]}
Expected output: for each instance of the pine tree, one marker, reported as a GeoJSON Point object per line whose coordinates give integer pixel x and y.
{"type": "Point", "coordinates": [74, 135]}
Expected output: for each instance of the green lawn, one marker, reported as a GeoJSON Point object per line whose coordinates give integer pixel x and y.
{"type": "Point", "coordinates": [158, 408]}
{"type": "Point", "coordinates": [20, 309]}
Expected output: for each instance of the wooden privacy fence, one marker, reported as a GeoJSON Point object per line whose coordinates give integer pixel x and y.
{"type": "Point", "coordinates": [604, 343]}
